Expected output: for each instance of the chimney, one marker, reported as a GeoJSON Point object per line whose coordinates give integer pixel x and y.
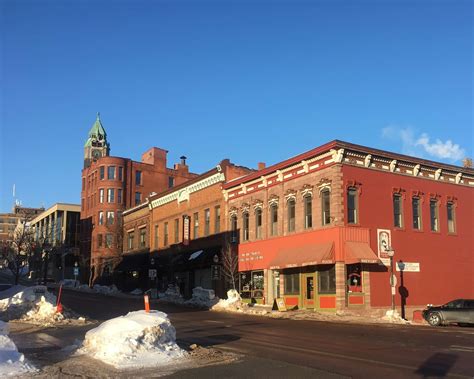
{"type": "Point", "coordinates": [183, 160]}
{"type": "Point", "coordinates": [261, 165]}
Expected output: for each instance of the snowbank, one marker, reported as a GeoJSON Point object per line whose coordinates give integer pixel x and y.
{"type": "Point", "coordinates": [12, 363]}
{"type": "Point", "coordinates": [136, 291]}
{"type": "Point", "coordinates": [11, 291]}
{"type": "Point", "coordinates": [233, 302]}
{"type": "Point", "coordinates": [202, 297]}
{"type": "Point", "coordinates": [105, 290]}
{"type": "Point", "coordinates": [394, 317]}
{"type": "Point", "coordinates": [70, 283]}
{"type": "Point", "coordinates": [172, 295]}
{"type": "Point", "coordinates": [138, 339]}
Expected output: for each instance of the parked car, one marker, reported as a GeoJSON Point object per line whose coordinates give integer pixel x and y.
{"type": "Point", "coordinates": [459, 311]}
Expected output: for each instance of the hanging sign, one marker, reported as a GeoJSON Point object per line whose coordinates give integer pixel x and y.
{"type": "Point", "coordinates": [186, 230]}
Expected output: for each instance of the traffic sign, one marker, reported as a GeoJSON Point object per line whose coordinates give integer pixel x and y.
{"type": "Point", "coordinates": [76, 270]}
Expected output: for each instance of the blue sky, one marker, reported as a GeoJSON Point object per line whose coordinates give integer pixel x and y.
{"type": "Point", "coordinates": [246, 80]}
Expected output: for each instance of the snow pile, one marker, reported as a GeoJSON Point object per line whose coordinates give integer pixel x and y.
{"type": "Point", "coordinates": [172, 295]}
{"type": "Point", "coordinates": [394, 317]}
{"type": "Point", "coordinates": [204, 298]}
{"type": "Point", "coordinates": [12, 363]}
{"type": "Point", "coordinates": [138, 339]}
{"type": "Point", "coordinates": [32, 303]}
{"type": "Point", "coordinates": [233, 302]}
{"type": "Point", "coordinates": [136, 291]}
{"type": "Point", "coordinates": [105, 290]}
{"type": "Point", "coordinates": [11, 291]}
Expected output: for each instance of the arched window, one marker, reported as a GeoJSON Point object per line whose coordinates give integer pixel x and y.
{"type": "Point", "coordinates": [308, 211]}
{"type": "Point", "coordinates": [291, 205]}
{"type": "Point", "coordinates": [274, 219]}
{"type": "Point", "coordinates": [326, 206]}
{"type": "Point", "coordinates": [245, 226]}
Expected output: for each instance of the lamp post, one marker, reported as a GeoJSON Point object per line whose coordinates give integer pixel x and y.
{"type": "Point", "coordinates": [391, 253]}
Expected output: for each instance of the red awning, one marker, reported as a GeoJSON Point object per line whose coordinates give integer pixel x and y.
{"type": "Point", "coordinates": [306, 255]}
{"type": "Point", "coordinates": [360, 252]}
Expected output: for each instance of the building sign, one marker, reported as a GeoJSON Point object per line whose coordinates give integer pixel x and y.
{"type": "Point", "coordinates": [252, 256]}
{"type": "Point", "coordinates": [186, 230]}
{"type": "Point", "coordinates": [152, 273]}
{"type": "Point", "coordinates": [384, 241]}
{"type": "Point", "coordinates": [408, 266]}
{"type": "Point", "coordinates": [215, 272]}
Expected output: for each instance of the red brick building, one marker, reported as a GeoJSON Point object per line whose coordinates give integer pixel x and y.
{"type": "Point", "coordinates": [315, 229]}
{"type": "Point", "coordinates": [112, 184]}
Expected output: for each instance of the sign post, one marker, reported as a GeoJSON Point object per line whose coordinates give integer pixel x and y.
{"type": "Point", "coordinates": [76, 273]}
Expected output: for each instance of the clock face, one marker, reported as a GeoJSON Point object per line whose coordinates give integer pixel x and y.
{"type": "Point", "coordinates": [96, 154]}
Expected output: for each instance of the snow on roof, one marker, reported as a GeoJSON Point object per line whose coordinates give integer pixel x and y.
{"type": "Point", "coordinates": [195, 255]}
{"type": "Point", "coordinates": [138, 339]}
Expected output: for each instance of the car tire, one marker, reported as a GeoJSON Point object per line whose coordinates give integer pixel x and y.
{"type": "Point", "coordinates": [434, 319]}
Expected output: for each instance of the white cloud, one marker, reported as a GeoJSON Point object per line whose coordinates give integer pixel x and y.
{"type": "Point", "coordinates": [420, 146]}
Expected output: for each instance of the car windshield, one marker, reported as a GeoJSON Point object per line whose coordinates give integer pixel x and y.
{"type": "Point", "coordinates": [454, 304]}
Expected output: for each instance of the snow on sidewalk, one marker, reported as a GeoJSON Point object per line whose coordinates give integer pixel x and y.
{"type": "Point", "coordinates": [138, 339]}
{"type": "Point", "coordinates": [12, 363]}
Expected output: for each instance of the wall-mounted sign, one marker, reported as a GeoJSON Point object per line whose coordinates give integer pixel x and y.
{"type": "Point", "coordinates": [152, 273]}
{"type": "Point", "coordinates": [186, 230]}
{"type": "Point", "coordinates": [384, 241]}
{"type": "Point", "coordinates": [216, 272]}
{"type": "Point", "coordinates": [408, 266]}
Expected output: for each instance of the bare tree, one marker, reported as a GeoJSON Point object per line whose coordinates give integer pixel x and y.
{"type": "Point", "coordinates": [467, 162]}
{"type": "Point", "coordinates": [230, 264]}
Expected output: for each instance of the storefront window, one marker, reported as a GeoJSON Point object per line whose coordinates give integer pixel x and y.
{"type": "Point", "coordinates": [327, 279]}
{"type": "Point", "coordinates": [354, 278]}
{"type": "Point", "coordinates": [251, 284]}
{"type": "Point", "coordinates": [292, 282]}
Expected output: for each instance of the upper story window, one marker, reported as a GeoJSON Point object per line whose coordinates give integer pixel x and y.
{"type": "Point", "coordinates": [291, 205]}
{"type": "Point", "coordinates": [83, 201]}
{"type": "Point", "coordinates": [274, 220]}
{"type": "Point", "coordinates": [101, 195]}
{"type": "Point", "coordinates": [142, 237]}
{"type": "Point", "coordinates": [102, 172]}
{"type": "Point", "coordinates": [196, 225]}
{"type": "Point", "coordinates": [258, 223]}
{"type": "Point", "coordinates": [352, 217]}
{"type": "Point", "coordinates": [451, 217]}
{"type": "Point", "coordinates": [99, 240]}
{"type": "Point", "coordinates": [101, 218]}
{"type": "Point", "coordinates": [165, 235]}
{"type": "Point", "coordinates": [217, 219]}
{"type": "Point", "coordinates": [119, 196]}
{"type": "Point", "coordinates": [120, 173]}
{"type": "Point", "coordinates": [308, 211]}
{"type": "Point", "coordinates": [415, 205]}
{"type": "Point", "coordinates": [176, 230]}
{"type": "Point", "coordinates": [434, 218]}
{"type": "Point", "coordinates": [110, 217]}
{"type": "Point", "coordinates": [233, 227]}
{"type": "Point", "coordinates": [138, 177]}
{"type": "Point", "coordinates": [131, 236]}
{"type": "Point", "coordinates": [326, 206]}
{"type": "Point", "coordinates": [170, 181]}
{"type": "Point", "coordinates": [138, 198]}
{"type": "Point", "coordinates": [109, 240]}
{"type": "Point", "coordinates": [157, 236]}
{"type": "Point", "coordinates": [207, 222]}
{"type": "Point", "coordinates": [111, 172]}
{"type": "Point", "coordinates": [110, 195]}
{"type": "Point", "coordinates": [83, 184]}
{"type": "Point", "coordinates": [245, 226]}
{"type": "Point", "coordinates": [397, 210]}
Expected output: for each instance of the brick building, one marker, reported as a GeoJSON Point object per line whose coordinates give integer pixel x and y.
{"type": "Point", "coordinates": [315, 229]}
{"type": "Point", "coordinates": [112, 184]}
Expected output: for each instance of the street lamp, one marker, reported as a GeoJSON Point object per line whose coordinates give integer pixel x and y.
{"type": "Point", "coordinates": [391, 253]}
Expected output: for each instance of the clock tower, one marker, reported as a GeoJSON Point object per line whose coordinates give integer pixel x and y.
{"type": "Point", "coordinates": [96, 145]}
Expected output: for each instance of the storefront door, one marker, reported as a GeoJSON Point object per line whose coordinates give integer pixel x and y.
{"type": "Point", "coordinates": [309, 284]}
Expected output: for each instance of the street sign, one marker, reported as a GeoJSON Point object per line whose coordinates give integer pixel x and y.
{"type": "Point", "coordinates": [152, 273]}
{"type": "Point", "coordinates": [76, 271]}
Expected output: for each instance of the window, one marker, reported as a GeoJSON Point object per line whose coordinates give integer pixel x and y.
{"type": "Point", "coordinates": [176, 230]}
{"type": "Point", "coordinates": [274, 220]}
{"type": "Point", "coordinates": [196, 225]}
{"type": "Point", "coordinates": [142, 237]}
{"type": "Point", "coordinates": [415, 205]}
{"type": "Point", "coordinates": [110, 217]}
{"type": "Point", "coordinates": [101, 195]}
{"type": "Point", "coordinates": [131, 236]}
{"type": "Point", "coordinates": [165, 239]}
{"type": "Point", "coordinates": [258, 223]}
{"type": "Point", "coordinates": [138, 178]}
{"type": "Point", "coordinates": [99, 240]}
{"type": "Point", "coordinates": [327, 279]}
{"type": "Point", "coordinates": [138, 198]}
{"type": "Point", "coordinates": [101, 172]}
{"type": "Point", "coordinates": [352, 205]}
{"type": "Point", "coordinates": [207, 221]}
{"type": "Point", "coordinates": [101, 218]}
{"type": "Point", "coordinates": [119, 196]}
{"type": "Point", "coordinates": [120, 173]}
{"type": "Point", "coordinates": [291, 215]}
{"type": "Point", "coordinates": [170, 182]}
{"type": "Point", "coordinates": [109, 239]}
{"type": "Point", "coordinates": [83, 184]}
{"type": "Point", "coordinates": [111, 172]}
{"type": "Point", "coordinates": [326, 206]}
{"type": "Point", "coordinates": [354, 277]}
{"type": "Point", "coordinates": [233, 227]}
{"type": "Point", "coordinates": [110, 195]}
{"type": "Point", "coordinates": [451, 217]}
{"type": "Point", "coordinates": [156, 236]}
{"type": "Point", "coordinates": [308, 211]}
{"type": "Point", "coordinates": [434, 215]}
{"type": "Point", "coordinates": [245, 226]}
{"type": "Point", "coordinates": [82, 204]}
{"type": "Point", "coordinates": [292, 282]}
{"type": "Point", "coordinates": [397, 211]}
{"type": "Point", "coordinates": [217, 219]}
